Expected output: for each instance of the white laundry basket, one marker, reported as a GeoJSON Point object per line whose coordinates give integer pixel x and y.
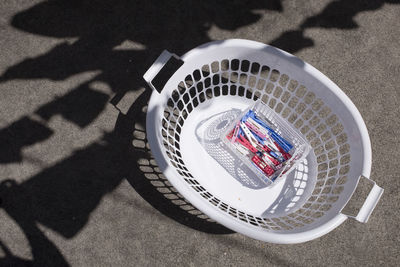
{"type": "Point", "coordinates": [215, 83]}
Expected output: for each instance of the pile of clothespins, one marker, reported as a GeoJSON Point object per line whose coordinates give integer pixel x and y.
{"type": "Point", "coordinates": [255, 139]}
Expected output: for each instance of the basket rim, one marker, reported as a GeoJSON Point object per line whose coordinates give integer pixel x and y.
{"type": "Point", "coordinates": [214, 213]}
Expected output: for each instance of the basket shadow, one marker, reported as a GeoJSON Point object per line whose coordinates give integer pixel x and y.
{"type": "Point", "coordinates": [147, 179]}
{"type": "Point", "coordinates": [297, 188]}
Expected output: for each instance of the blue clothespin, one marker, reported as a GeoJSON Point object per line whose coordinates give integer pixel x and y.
{"type": "Point", "coordinates": [286, 146]}
{"type": "Point", "coordinates": [246, 116]}
{"type": "Point", "coordinates": [240, 132]}
{"type": "Point", "coordinates": [259, 139]}
{"type": "Point", "coordinates": [277, 156]}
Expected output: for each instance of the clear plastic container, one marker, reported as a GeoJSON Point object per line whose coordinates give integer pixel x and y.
{"type": "Point", "coordinates": [299, 151]}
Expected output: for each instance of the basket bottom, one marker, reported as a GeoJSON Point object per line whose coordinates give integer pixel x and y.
{"type": "Point", "coordinates": [222, 173]}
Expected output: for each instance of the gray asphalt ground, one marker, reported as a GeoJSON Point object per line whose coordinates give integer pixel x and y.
{"type": "Point", "coordinates": [77, 184]}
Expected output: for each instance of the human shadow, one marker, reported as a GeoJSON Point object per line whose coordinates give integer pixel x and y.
{"type": "Point", "coordinates": [102, 28]}
{"type": "Point", "coordinates": [63, 196]}
{"type": "Point", "coordinates": [19, 134]}
{"type": "Point", "coordinates": [120, 40]}
{"type": "Point", "coordinates": [338, 14]}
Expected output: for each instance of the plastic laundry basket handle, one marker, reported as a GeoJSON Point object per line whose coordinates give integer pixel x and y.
{"type": "Point", "coordinates": [370, 202]}
{"type": "Point", "coordinates": [157, 66]}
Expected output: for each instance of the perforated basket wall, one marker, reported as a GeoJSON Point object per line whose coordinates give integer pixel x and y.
{"type": "Point", "coordinates": [291, 89]}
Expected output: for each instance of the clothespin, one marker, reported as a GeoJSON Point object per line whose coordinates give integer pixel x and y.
{"type": "Point", "coordinates": [262, 165]}
{"type": "Point", "coordinates": [255, 139]}
{"type": "Point", "coordinates": [283, 152]}
{"type": "Point", "coordinates": [266, 143]}
{"type": "Point", "coordinates": [229, 135]}
{"type": "Point", "coordinates": [272, 159]}
{"type": "Point", "coordinates": [246, 144]}
{"type": "Point", "coordinates": [258, 126]}
{"type": "Point", "coordinates": [280, 140]}
{"type": "Point", "coordinates": [255, 130]}
{"type": "Point", "coordinates": [246, 116]}
{"type": "Point", "coordinates": [243, 150]}
{"type": "Point", "coordinates": [235, 132]}
{"type": "Point", "coordinates": [248, 134]}
{"type": "Point", "coordinates": [267, 139]}
{"type": "Point", "coordinates": [260, 141]}
{"type": "Point", "coordinates": [276, 154]}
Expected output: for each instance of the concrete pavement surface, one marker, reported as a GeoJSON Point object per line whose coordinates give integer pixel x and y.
{"type": "Point", "coordinates": [78, 185]}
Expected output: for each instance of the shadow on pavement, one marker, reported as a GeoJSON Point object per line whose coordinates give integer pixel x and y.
{"type": "Point", "coordinates": [338, 14]}
{"type": "Point", "coordinates": [63, 196]}
{"type": "Point", "coordinates": [119, 39]}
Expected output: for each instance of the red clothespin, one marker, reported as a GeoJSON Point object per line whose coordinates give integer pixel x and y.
{"type": "Point", "coordinates": [241, 139]}
{"type": "Point", "coordinates": [242, 149]}
{"type": "Point", "coordinates": [235, 132]}
{"type": "Point", "coordinates": [255, 130]}
{"type": "Point", "coordinates": [272, 159]}
{"type": "Point", "coordinates": [266, 149]}
{"type": "Point", "coordinates": [229, 136]}
{"type": "Point", "coordinates": [262, 165]}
